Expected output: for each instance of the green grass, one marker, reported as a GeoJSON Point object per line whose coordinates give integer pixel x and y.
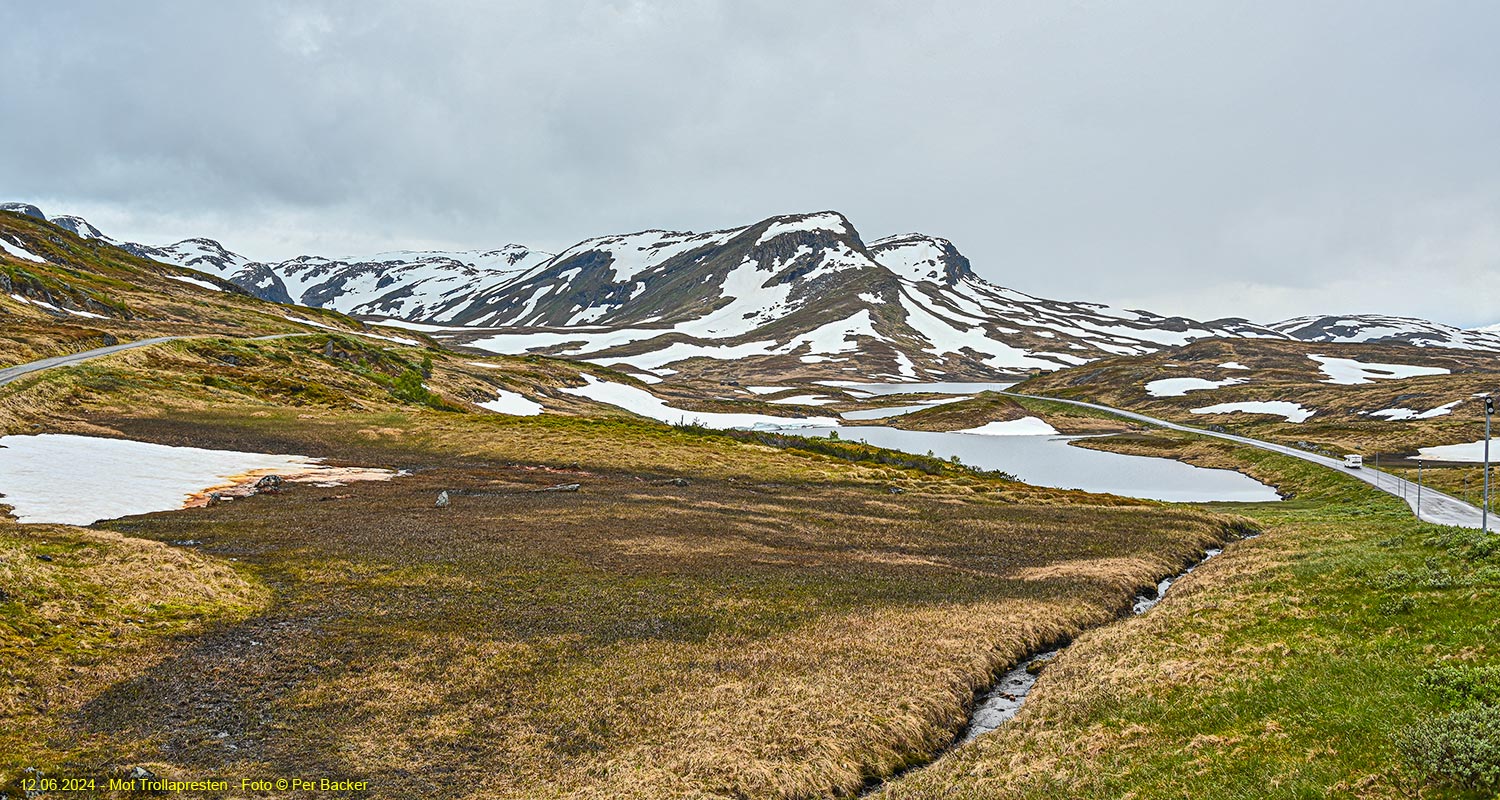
{"type": "Point", "coordinates": [1291, 667]}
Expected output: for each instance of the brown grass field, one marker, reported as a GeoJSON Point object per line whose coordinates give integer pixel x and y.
{"type": "Point", "coordinates": [782, 626]}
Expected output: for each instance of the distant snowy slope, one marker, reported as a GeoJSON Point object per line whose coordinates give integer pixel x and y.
{"type": "Point", "coordinates": [1378, 328]}
{"type": "Point", "coordinates": [416, 285]}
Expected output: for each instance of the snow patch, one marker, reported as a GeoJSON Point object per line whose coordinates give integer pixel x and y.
{"type": "Point", "coordinates": [1348, 372]}
{"type": "Point", "coordinates": [21, 252]}
{"type": "Point", "coordinates": [812, 222]}
{"type": "Point", "coordinates": [512, 403]}
{"type": "Point", "coordinates": [79, 480]}
{"type": "Point", "coordinates": [1293, 412]}
{"type": "Point", "coordinates": [642, 402]}
{"type": "Point", "coordinates": [1025, 426]}
{"type": "Point", "coordinates": [803, 400]}
{"type": "Point", "coordinates": [1407, 413]}
{"type": "Point", "coordinates": [194, 281]}
{"type": "Point", "coordinates": [1471, 452]}
{"type": "Point", "coordinates": [1177, 387]}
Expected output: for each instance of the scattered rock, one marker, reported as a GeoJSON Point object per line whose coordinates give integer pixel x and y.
{"type": "Point", "coordinates": [43, 557]}
{"type": "Point", "coordinates": [672, 482]}
{"type": "Point", "coordinates": [215, 498]}
{"type": "Point", "coordinates": [34, 774]}
{"type": "Point", "coordinates": [561, 487]}
{"type": "Point", "coordinates": [442, 501]}
{"type": "Point", "coordinates": [269, 483]}
{"type": "Point", "coordinates": [141, 773]}
{"type": "Point", "coordinates": [895, 490]}
{"type": "Point", "coordinates": [186, 542]}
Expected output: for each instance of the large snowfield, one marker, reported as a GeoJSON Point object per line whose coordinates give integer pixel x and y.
{"type": "Point", "coordinates": [1472, 452]}
{"type": "Point", "coordinates": [640, 401]}
{"type": "Point", "coordinates": [80, 480]}
{"type": "Point", "coordinates": [1177, 387]}
{"type": "Point", "coordinates": [1348, 372]}
{"type": "Point", "coordinates": [1293, 412]}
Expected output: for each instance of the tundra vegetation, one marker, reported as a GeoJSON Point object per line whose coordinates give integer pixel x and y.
{"type": "Point", "coordinates": [782, 625]}
{"type": "Point", "coordinates": [710, 614]}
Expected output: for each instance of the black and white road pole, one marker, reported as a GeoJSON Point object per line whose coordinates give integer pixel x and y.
{"type": "Point", "coordinates": [1489, 408]}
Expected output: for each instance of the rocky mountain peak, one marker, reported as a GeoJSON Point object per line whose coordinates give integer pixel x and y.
{"type": "Point", "coordinates": [920, 257]}
{"type": "Point", "coordinates": [23, 208]}
{"type": "Point", "coordinates": [79, 226]}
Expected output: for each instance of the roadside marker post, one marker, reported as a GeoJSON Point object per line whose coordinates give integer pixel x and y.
{"type": "Point", "coordinates": [1489, 409]}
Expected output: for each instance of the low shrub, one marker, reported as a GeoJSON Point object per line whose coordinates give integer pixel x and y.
{"type": "Point", "coordinates": [1461, 684]}
{"type": "Point", "coordinates": [1460, 749]}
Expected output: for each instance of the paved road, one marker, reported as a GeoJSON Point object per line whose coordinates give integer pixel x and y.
{"type": "Point", "coordinates": [9, 374]}
{"type": "Point", "coordinates": [12, 373]}
{"type": "Point", "coordinates": [1436, 507]}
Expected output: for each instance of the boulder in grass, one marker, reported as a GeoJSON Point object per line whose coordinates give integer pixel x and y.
{"type": "Point", "coordinates": [442, 501]}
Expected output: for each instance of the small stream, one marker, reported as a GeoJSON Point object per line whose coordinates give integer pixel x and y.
{"type": "Point", "coordinates": [1002, 701]}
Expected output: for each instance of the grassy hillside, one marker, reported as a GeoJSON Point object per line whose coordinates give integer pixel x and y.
{"type": "Point", "coordinates": [85, 294]}
{"type": "Point", "coordinates": [1283, 371]}
{"type": "Point", "coordinates": [1347, 652]}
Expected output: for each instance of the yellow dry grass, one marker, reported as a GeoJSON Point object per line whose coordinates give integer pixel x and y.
{"type": "Point", "coordinates": [83, 609]}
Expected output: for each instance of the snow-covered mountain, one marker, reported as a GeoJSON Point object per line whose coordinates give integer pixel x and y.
{"type": "Point", "coordinates": [423, 285]}
{"type": "Point", "coordinates": [418, 285]}
{"type": "Point", "coordinates": [799, 295]}
{"type": "Point", "coordinates": [1378, 328]}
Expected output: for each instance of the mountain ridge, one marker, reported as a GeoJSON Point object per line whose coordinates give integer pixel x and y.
{"type": "Point", "coordinates": [797, 294]}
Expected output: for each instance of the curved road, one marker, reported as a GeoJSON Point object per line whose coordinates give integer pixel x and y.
{"type": "Point", "coordinates": [9, 374]}
{"type": "Point", "coordinates": [12, 373]}
{"type": "Point", "coordinates": [1435, 506]}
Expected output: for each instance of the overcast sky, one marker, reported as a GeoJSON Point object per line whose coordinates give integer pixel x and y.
{"type": "Point", "coordinates": [1259, 159]}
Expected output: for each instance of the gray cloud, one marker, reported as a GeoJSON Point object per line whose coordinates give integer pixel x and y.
{"type": "Point", "coordinates": [1259, 159]}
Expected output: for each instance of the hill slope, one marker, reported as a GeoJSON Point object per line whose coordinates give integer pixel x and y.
{"type": "Point", "coordinates": [63, 292]}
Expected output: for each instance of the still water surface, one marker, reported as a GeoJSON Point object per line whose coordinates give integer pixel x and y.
{"type": "Point", "coordinates": [1051, 461]}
